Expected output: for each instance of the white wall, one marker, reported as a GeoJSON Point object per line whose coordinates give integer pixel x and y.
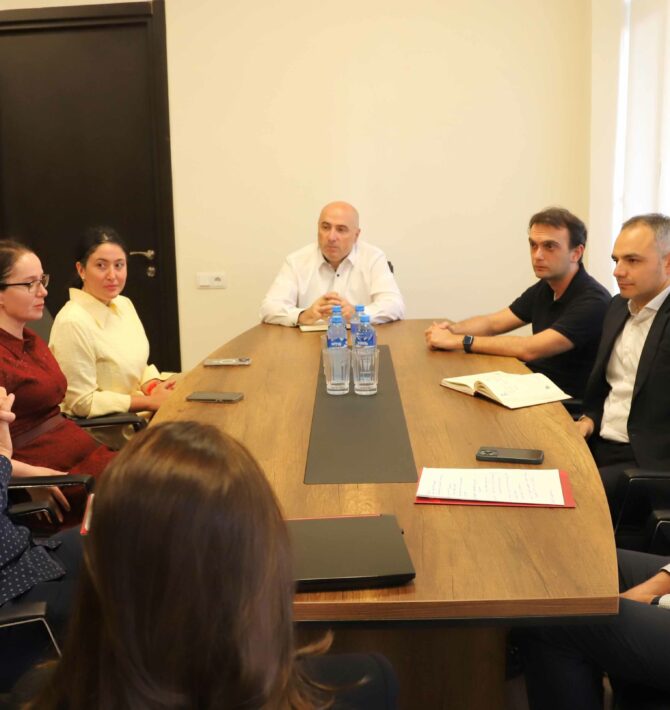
{"type": "Point", "coordinates": [607, 17]}
{"type": "Point", "coordinates": [447, 123]}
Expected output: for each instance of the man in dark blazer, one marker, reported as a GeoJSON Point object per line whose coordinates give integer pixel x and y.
{"type": "Point", "coordinates": [627, 422]}
{"type": "Point", "coordinates": [627, 401]}
{"type": "Point", "coordinates": [564, 664]}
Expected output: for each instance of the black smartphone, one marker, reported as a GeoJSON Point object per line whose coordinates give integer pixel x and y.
{"type": "Point", "coordinates": [497, 453]}
{"type": "Point", "coordinates": [215, 396]}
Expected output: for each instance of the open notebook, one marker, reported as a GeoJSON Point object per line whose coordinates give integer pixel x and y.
{"type": "Point", "coordinates": [510, 390]}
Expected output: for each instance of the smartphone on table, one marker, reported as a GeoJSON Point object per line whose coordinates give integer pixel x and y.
{"type": "Point", "coordinates": [222, 361]}
{"type": "Point", "coordinates": [502, 455]}
{"type": "Point", "coordinates": [215, 397]}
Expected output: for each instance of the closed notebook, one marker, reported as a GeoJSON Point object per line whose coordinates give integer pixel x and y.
{"type": "Point", "coordinates": [349, 553]}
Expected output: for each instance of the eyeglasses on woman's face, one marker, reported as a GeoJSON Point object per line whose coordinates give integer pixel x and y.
{"type": "Point", "coordinates": [32, 286]}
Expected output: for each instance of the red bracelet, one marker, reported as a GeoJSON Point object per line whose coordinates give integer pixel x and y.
{"type": "Point", "coordinates": [151, 387]}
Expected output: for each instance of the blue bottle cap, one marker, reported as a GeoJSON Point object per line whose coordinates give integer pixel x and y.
{"type": "Point", "coordinates": [365, 318]}
{"type": "Point", "coordinates": [337, 309]}
{"type": "Point", "coordinates": [336, 318]}
{"type": "Point", "coordinates": [359, 308]}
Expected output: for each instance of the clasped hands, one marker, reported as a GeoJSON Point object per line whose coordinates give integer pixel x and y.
{"type": "Point", "coordinates": [440, 337]}
{"type": "Point", "coordinates": [323, 307]}
{"type": "Point", "coordinates": [159, 390]}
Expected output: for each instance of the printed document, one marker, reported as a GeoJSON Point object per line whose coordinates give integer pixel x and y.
{"type": "Point", "coordinates": [521, 486]}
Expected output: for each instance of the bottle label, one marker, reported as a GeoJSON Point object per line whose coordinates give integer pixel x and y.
{"type": "Point", "coordinates": [365, 337]}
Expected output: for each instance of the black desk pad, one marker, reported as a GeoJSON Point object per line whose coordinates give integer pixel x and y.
{"type": "Point", "coordinates": [360, 439]}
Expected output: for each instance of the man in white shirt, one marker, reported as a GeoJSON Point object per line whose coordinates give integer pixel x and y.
{"type": "Point", "coordinates": [627, 401]}
{"type": "Point", "coordinates": [338, 270]}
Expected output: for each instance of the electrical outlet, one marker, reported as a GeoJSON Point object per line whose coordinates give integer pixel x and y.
{"type": "Point", "coordinates": [212, 279]}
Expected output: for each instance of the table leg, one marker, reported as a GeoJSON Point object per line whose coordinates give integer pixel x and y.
{"type": "Point", "coordinates": [438, 668]}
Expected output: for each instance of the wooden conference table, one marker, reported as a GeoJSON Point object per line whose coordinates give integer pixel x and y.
{"type": "Point", "coordinates": [475, 566]}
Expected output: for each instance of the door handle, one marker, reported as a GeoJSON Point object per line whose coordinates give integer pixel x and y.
{"type": "Point", "coordinates": [149, 254]}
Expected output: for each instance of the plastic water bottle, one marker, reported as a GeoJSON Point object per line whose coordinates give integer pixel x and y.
{"type": "Point", "coordinates": [336, 336]}
{"type": "Point", "coordinates": [366, 336]}
{"type": "Point", "coordinates": [335, 311]}
{"type": "Point", "coordinates": [365, 358]}
{"type": "Point", "coordinates": [336, 360]}
{"type": "Point", "coordinates": [355, 322]}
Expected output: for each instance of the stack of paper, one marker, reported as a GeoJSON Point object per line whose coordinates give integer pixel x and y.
{"type": "Point", "coordinates": [495, 486]}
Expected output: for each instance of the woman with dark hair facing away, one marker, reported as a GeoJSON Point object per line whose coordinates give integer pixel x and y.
{"type": "Point", "coordinates": [98, 338]}
{"type": "Point", "coordinates": [45, 443]}
{"type": "Point", "coordinates": [186, 592]}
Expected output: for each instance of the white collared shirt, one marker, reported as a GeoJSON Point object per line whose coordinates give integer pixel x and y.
{"type": "Point", "coordinates": [363, 277]}
{"type": "Point", "coordinates": [103, 351]}
{"type": "Point", "coordinates": [622, 368]}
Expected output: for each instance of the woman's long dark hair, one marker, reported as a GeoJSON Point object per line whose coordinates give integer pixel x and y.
{"type": "Point", "coordinates": [186, 593]}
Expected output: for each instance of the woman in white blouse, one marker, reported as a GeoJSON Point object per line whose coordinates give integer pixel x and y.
{"type": "Point", "coordinates": [98, 338]}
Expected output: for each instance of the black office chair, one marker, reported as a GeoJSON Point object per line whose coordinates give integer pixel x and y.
{"type": "Point", "coordinates": [40, 515]}
{"type": "Point", "coordinates": [26, 639]}
{"type": "Point", "coordinates": [574, 406]}
{"type": "Point", "coordinates": [659, 523]}
{"type": "Point", "coordinates": [643, 500]}
{"type": "Point", "coordinates": [112, 420]}
{"type": "Point", "coordinates": [43, 326]}
{"type": "Point", "coordinates": [640, 697]}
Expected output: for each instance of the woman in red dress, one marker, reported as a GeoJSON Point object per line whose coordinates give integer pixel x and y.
{"type": "Point", "coordinates": [45, 443]}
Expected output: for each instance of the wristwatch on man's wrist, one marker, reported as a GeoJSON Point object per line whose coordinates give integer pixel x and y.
{"type": "Point", "coordinates": [467, 343]}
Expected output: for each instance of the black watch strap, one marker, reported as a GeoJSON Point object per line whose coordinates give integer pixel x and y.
{"type": "Point", "coordinates": [467, 343]}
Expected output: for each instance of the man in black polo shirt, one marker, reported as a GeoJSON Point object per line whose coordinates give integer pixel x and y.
{"type": "Point", "coordinates": [566, 308]}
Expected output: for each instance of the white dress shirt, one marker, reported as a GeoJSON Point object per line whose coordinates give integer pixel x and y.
{"type": "Point", "coordinates": [622, 368]}
{"type": "Point", "coordinates": [363, 277]}
{"type": "Point", "coordinates": [103, 351]}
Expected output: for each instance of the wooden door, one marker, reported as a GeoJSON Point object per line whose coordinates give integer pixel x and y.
{"type": "Point", "coordinates": [84, 140]}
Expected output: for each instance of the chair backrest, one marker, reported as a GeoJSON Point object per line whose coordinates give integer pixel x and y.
{"type": "Point", "coordinates": [43, 326]}
{"type": "Point", "coordinates": [638, 697]}
{"type": "Point", "coordinates": [641, 493]}
{"type": "Point", "coordinates": [26, 639]}
{"type": "Point", "coordinates": [660, 537]}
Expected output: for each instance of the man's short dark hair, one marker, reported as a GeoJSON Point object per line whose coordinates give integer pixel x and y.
{"type": "Point", "coordinates": [558, 217]}
{"type": "Point", "coordinates": [659, 225]}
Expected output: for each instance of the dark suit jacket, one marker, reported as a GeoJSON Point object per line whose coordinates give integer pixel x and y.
{"type": "Point", "coordinates": [649, 419]}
